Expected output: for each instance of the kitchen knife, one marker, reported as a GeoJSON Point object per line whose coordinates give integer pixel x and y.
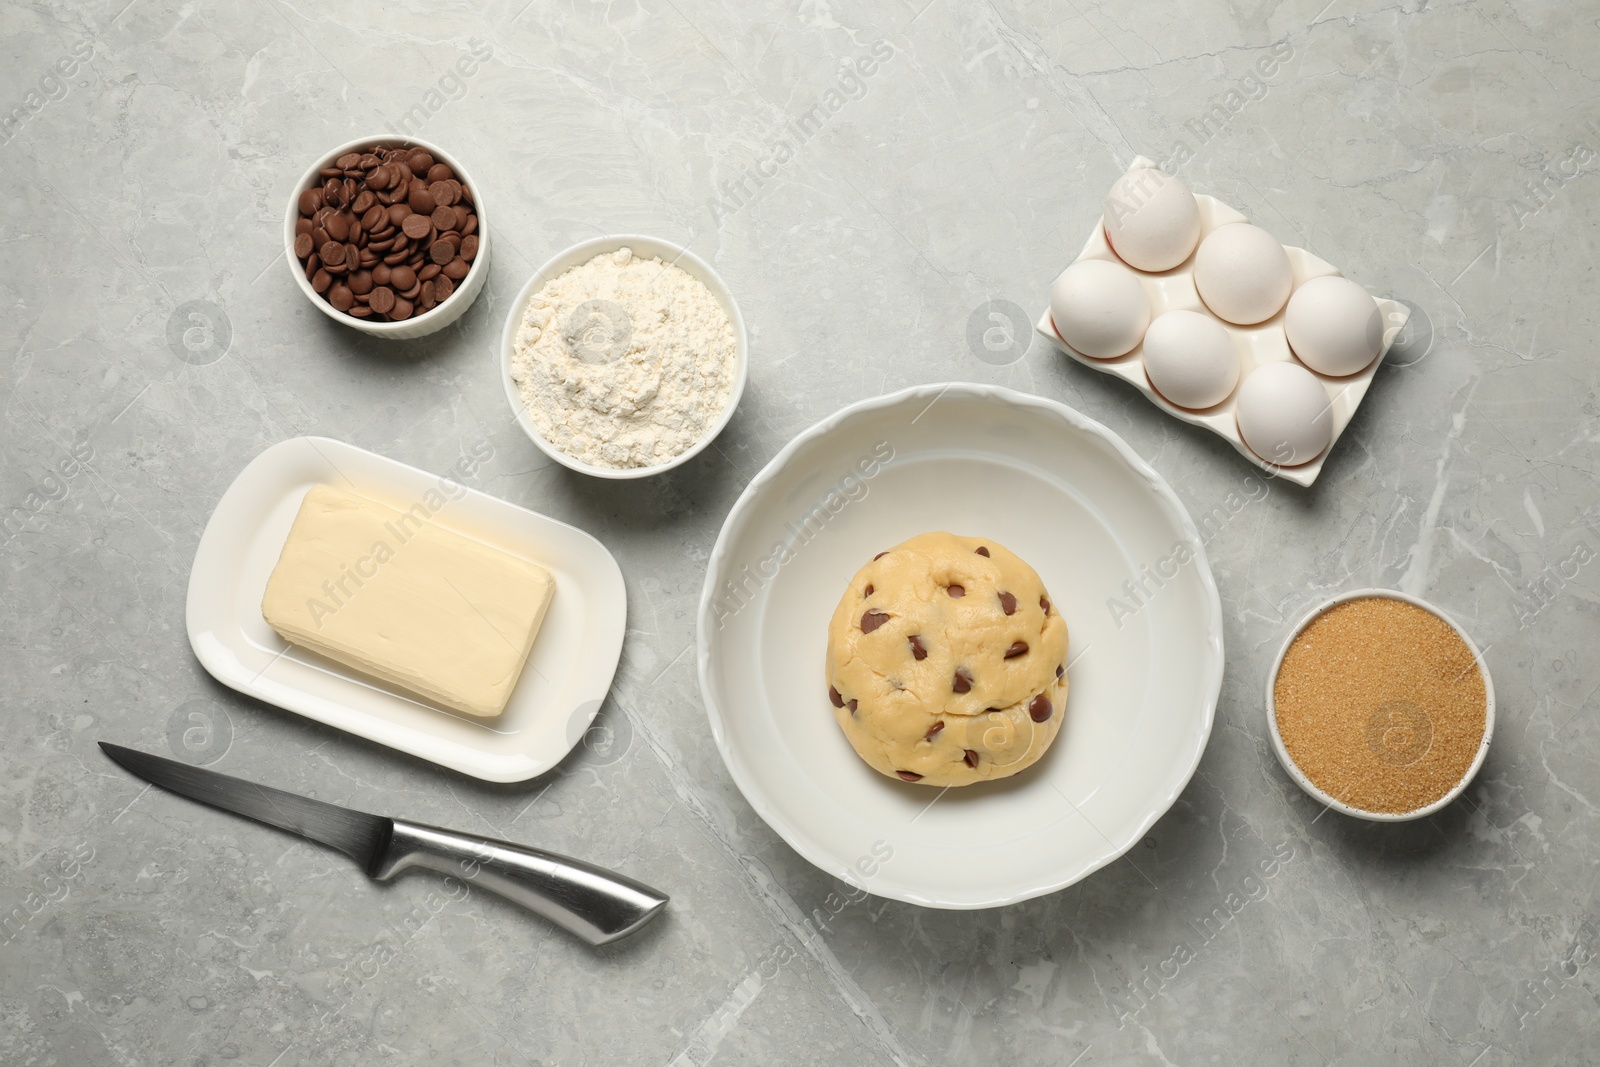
{"type": "Point", "coordinates": [596, 904]}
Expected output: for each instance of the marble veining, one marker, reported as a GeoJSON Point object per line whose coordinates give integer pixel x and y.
{"type": "Point", "coordinates": [889, 189]}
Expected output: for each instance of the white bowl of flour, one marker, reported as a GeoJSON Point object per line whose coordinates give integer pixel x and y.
{"type": "Point", "coordinates": [624, 356]}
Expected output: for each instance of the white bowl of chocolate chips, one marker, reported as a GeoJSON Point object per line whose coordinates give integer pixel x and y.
{"type": "Point", "coordinates": [388, 235]}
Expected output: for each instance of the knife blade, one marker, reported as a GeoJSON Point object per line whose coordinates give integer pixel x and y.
{"type": "Point", "coordinates": [598, 905]}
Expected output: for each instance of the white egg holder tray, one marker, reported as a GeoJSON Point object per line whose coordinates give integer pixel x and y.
{"type": "Point", "coordinates": [1265, 342]}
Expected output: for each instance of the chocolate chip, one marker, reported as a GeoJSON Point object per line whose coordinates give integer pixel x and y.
{"type": "Point", "coordinates": [309, 202]}
{"type": "Point", "coordinates": [338, 227]}
{"type": "Point", "coordinates": [853, 705]}
{"type": "Point", "coordinates": [456, 269]}
{"type": "Point", "coordinates": [302, 245]}
{"type": "Point", "coordinates": [868, 590]}
{"type": "Point", "coordinates": [1044, 604]}
{"type": "Point", "coordinates": [1039, 708]}
{"type": "Point", "coordinates": [469, 246]}
{"type": "Point", "coordinates": [332, 253]}
{"type": "Point", "coordinates": [833, 695]}
{"type": "Point", "coordinates": [341, 297]}
{"type": "Point", "coordinates": [1018, 648]}
{"type": "Point", "coordinates": [402, 310]}
{"type": "Point", "coordinates": [1060, 670]}
{"type": "Point", "coordinates": [970, 758]}
{"type": "Point", "coordinates": [872, 620]}
{"type": "Point", "coordinates": [963, 681]}
{"type": "Point", "coordinates": [442, 252]}
{"type": "Point", "coordinates": [917, 651]}
{"type": "Point", "coordinates": [910, 776]}
{"type": "Point", "coordinates": [981, 550]}
{"type": "Point", "coordinates": [443, 287]}
{"type": "Point", "coordinates": [933, 731]}
{"type": "Point", "coordinates": [440, 172]}
{"type": "Point", "coordinates": [444, 194]}
{"type": "Point", "coordinates": [880, 555]}
{"type": "Point", "coordinates": [956, 590]}
{"type": "Point", "coordinates": [417, 226]}
{"type": "Point", "coordinates": [1008, 603]}
{"type": "Point", "coordinates": [403, 278]}
{"type": "Point", "coordinates": [420, 200]}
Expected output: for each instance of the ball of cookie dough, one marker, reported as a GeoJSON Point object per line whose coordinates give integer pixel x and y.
{"type": "Point", "coordinates": [947, 662]}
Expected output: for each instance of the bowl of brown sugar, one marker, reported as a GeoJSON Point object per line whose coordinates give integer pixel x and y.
{"type": "Point", "coordinates": [1380, 706]}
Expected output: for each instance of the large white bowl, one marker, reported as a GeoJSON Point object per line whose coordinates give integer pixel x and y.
{"type": "Point", "coordinates": [1068, 496]}
{"type": "Point", "coordinates": [453, 307]}
{"type": "Point", "coordinates": [645, 248]}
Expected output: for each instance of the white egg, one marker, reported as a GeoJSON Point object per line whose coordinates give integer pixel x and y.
{"type": "Point", "coordinates": [1333, 325]}
{"type": "Point", "coordinates": [1190, 359]}
{"type": "Point", "coordinates": [1284, 414]}
{"type": "Point", "coordinates": [1099, 308]}
{"type": "Point", "coordinates": [1151, 220]}
{"type": "Point", "coordinates": [1242, 273]}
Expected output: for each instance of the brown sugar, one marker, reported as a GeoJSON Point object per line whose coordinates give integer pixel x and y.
{"type": "Point", "coordinates": [1381, 704]}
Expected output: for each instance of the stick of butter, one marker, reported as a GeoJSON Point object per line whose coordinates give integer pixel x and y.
{"type": "Point", "coordinates": [398, 597]}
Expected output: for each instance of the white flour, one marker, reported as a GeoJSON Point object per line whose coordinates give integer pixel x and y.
{"type": "Point", "coordinates": [624, 362]}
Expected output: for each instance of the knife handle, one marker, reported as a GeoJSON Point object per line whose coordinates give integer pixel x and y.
{"type": "Point", "coordinates": [598, 905]}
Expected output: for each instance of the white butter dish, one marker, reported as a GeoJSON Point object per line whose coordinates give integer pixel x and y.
{"type": "Point", "coordinates": [568, 671]}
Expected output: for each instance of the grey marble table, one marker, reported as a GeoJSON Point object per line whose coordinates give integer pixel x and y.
{"type": "Point", "coordinates": [1442, 153]}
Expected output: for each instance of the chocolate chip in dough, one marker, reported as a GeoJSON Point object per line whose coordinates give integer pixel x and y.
{"type": "Point", "coordinates": [956, 591]}
{"type": "Point", "coordinates": [868, 591]}
{"type": "Point", "coordinates": [970, 758]}
{"type": "Point", "coordinates": [1039, 708]}
{"type": "Point", "coordinates": [879, 556]}
{"type": "Point", "coordinates": [981, 550]}
{"type": "Point", "coordinates": [933, 731]}
{"type": "Point", "coordinates": [910, 776]}
{"type": "Point", "coordinates": [1018, 648]}
{"type": "Point", "coordinates": [1060, 670]}
{"type": "Point", "coordinates": [1008, 603]}
{"type": "Point", "coordinates": [872, 620]}
{"type": "Point", "coordinates": [917, 651]}
{"type": "Point", "coordinates": [833, 695]}
{"type": "Point", "coordinates": [853, 705]}
{"type": "Point", "coordinates": [962, 682]}
{"type": "Point", "coordinates": [1044, 604]}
